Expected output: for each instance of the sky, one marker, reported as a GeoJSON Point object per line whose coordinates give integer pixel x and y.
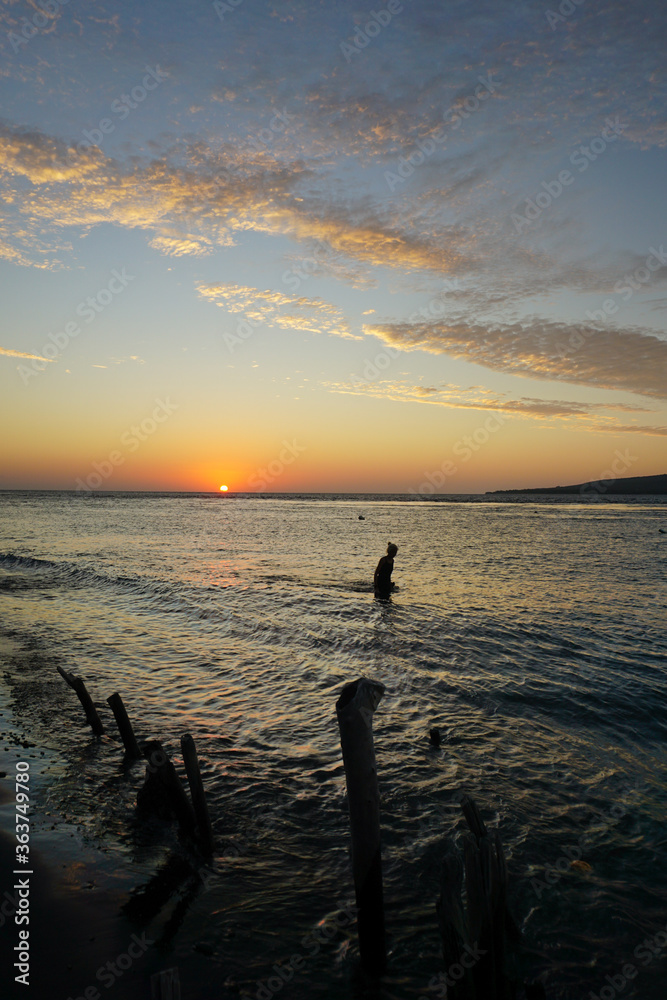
{"type": "Point", "coordinates": [305, 246]}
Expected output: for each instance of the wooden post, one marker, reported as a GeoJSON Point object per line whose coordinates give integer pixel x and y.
{"type": "Point", "coordinates": [77, 684]}
{"type": "Point", "coordinates": [166, 985]}
{"type": "Point", "coordinates": [116, 705]}
{"type": "Point", "coordinates": [189, 752]}
{"type": "Point", "coordinates": [354, 710]}
{"type": "Point", "coordinates": [163, 788]}
{"type": "Point", "coordinates": [488, 925]}
{"type": "Point", "coordinates": [453, 929]}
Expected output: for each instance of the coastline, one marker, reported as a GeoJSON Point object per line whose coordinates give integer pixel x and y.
{"type": "Point", "coordinates": [79, 938]}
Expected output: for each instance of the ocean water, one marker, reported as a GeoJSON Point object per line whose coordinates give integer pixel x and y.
{"type": "Point", "coordinates": [531, 633]}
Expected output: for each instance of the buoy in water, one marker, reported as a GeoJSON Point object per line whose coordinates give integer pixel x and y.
{"type": "Point", "coordinates": [581, 866]}
{"type": "Point", "coordinates": [434, 736]}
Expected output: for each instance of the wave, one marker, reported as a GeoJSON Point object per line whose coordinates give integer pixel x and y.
{"type": "Point", "coordinates": [160, 595]}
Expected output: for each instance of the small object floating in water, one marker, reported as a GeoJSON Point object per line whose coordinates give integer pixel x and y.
{"type": "Point", "coordinates": [662, 531]}
{"type": "Point", "coordinates": [434, 736]}
{"type": "Point", "coordinates": [362, 518]}
{"type": "Point", "coordinates": [581, 866]}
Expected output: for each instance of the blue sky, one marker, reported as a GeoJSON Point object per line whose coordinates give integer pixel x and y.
{"type": "Point", "coordinates": [473, 194]}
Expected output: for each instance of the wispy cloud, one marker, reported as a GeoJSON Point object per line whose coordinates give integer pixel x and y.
{"type": "Point", "coordinates": [590, 416]}
{"type": "Point", "coordinates": [7, 352]}
{"type": "Point", "coordinates": [630, 360]}
{"type": "Point", "coordinates": [269, 307]}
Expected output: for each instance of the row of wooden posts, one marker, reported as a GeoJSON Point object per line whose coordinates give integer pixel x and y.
{"type": "Point", "coordinates": [483, 925]}
{"type": "Point", "coordinates": [480, 939]}
{"type": "Point", "coordinates": [163, 785]}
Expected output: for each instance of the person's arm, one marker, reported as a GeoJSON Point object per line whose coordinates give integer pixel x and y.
{"type": "Point", "coordinates": [377, 571]}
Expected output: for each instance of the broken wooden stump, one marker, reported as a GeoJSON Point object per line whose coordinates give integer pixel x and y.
{"type": "Point", "coordinates": [354, 710]}
{"type": "Point", "coordinates": [77, 685]}
{"type": "Point", "coordinates": [115, 703]}
{"type": "Point", "coordinates": [162, 792]}
{"type": "Point", "coordinates": [479, 942]}
{"type": "Point", "coordinates": [191, 762]}
{"type": "Point", "coordinates": [166, 985]}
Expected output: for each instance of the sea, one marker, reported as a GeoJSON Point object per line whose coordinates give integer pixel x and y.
{"type": "Point", "coordinates": [530, 631]}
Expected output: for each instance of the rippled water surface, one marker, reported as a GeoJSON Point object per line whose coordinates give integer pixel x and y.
{"type": "Point", "coordinates": [531, 634]}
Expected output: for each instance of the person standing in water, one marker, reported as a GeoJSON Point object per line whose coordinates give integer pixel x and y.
{"type": "Point", "coordinates": [382, 578]}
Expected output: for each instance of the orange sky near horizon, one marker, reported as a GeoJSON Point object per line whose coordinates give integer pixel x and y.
{"type": "Point", "coordinates": [290, 268]}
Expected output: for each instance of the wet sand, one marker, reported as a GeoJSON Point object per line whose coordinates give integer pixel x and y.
{"type": "Point", "coordinates": [75, 927]}
{"type": "Point", "coordinates": [80, 938]}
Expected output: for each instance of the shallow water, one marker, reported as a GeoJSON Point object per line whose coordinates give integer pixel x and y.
{"type": "Point", "coordinates": [532, 634]}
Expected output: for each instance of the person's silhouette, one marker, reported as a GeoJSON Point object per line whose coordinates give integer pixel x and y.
{"type": "Point", "coordinates": [382, 578]}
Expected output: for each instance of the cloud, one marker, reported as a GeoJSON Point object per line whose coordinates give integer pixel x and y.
{"type": "Point", "coordinates": [618, 359]}
{"type": "Point", "coordinates": [475, 398]}
{"type": "Point", "coordinates": [478, 398]}
{"type": "Point", "coordinates": [633, 429]}
{"type": "Point", "coordinates": [314, 315]}
{"type": "Point", "coordinates": [6, 351]}
{"type": "Point", "coordinates": [195, 207]}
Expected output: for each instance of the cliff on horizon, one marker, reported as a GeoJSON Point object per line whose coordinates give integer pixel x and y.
{"type": "Point", "coordinates": [632, 486]}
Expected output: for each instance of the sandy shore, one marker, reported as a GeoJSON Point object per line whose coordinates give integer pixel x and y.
{"type": "Point", "coordinates": [79, 938]}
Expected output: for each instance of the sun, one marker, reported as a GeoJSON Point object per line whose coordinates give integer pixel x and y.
{"type": "Point", "coordinates": [224, 488]}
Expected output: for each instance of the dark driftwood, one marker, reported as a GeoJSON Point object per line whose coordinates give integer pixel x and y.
{"type": "Point", "coordinates": [197, 792]}
{"type": "Point", "coordinates": [486, 928]}
{"type": "Point", "coordinates": [354, 710]}
{"type": "Point", "coordinates": [162, 792]}
{"type": "Point", "coordinates": [77, 685]}
{"type": "Point", "coordinates": [116, 705]}
{"type": "Point", "coordinates": [166, 985]}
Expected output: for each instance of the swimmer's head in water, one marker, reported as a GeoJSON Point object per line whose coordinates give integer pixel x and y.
{"type": "Point", "coordinates": [392, 549]}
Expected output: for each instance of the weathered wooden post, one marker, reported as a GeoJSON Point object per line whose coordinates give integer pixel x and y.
{"type": "Point", "coordinates": [487, 929]}
{"type": "Point", "coordinates": [77, 685]}
{"type": "Point", "coordinates": [354, 710]}
{"type": "Point", "coordinates": [162, 791]}
{"type": "Point", "coordinates": [189, 752]}
{"type": "Point", "coordinates": [166, 985]}
{"type": "Point", "coordinates": [115, 703]}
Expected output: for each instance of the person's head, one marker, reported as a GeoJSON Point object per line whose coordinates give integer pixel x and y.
{"type": "Point", "coordinates": [392, 550]}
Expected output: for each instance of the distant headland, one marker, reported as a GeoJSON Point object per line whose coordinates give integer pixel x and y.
{"type": "Point", "coordinates": [632, 486]}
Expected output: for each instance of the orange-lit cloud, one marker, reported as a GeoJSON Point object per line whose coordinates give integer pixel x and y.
{"type": "Point", "coordinates": [630, 360]}
{"type": "Point", "coordinates": [314, 315]}
{"type": "Point", "coordinates": [19, 354]}
{"type": "Point", "coordinates": [477, 398]}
